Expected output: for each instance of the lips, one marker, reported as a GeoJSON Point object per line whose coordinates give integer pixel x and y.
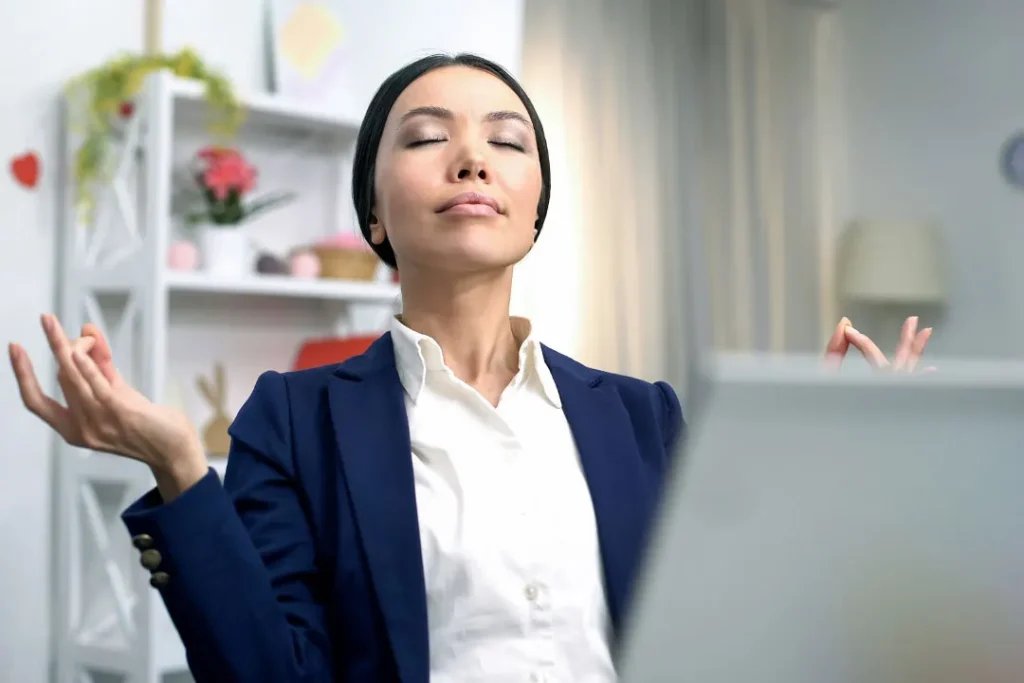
{"type": "Point", "coordinates": [482, 201]}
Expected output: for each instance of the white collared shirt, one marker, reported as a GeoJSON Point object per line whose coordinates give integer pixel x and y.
{"type": "Point", "coordinates": [510, 551]}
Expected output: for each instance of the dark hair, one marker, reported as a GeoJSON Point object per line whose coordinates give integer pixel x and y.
{"type": "Point", "coordinates": [364, 164]}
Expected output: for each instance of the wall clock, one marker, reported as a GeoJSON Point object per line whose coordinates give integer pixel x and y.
{"type": "Point", "coordinates": [1012, 162]}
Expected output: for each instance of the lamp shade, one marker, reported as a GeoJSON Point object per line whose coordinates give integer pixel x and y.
{"type": "Point", "coordinates": [892, 262]}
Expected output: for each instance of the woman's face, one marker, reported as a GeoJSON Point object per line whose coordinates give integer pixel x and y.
{"type": "Point", "coordinates": [458, 178]}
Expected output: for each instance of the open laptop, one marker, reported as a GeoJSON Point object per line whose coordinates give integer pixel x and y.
{"type": "Point", "coordinates": [826, 528]}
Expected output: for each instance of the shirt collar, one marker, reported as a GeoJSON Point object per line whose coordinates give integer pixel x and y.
{"type": "Point", "coordinates": [417, 354]}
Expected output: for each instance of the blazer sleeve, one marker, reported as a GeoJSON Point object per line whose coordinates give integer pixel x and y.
{"type": "Point", "coordinates": [673, 427]}
{"type": "Point", "coordinates": [239, 561]}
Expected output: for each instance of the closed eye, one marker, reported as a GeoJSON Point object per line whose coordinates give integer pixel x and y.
{"type": "Point", "coordinates": [497, 143]}
{"type": "Point", "coordinates": [426, 141]}
{"type": "Point", "coordinates": [511, 145]}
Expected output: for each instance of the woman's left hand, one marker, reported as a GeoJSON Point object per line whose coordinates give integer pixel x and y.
{"type": "Point", "coordinates": [906, 359]}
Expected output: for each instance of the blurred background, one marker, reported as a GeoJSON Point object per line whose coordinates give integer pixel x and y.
{"type": "Point", "coordinates": [739, 171]}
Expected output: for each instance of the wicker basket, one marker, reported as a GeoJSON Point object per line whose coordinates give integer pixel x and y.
{"type": "Point", "coordinates": [346, 264]}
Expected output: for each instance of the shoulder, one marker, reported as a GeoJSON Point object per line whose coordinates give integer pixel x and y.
{"type": "Point", "coordinates": [267, 418]}
{"type": "Point", "coordinates": [293, 401]}
{"type": "Point", "coordinates": [277, 390]}
{"type": "Point", "coordinates": [657, 400]}
{"type": "Point", "coordinates": [305, 387]}
{"type": "Point", "coordinates": [658, 397]}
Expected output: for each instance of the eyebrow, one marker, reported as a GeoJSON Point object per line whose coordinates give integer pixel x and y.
{"type": "Point", "coordinates": [449, 115]}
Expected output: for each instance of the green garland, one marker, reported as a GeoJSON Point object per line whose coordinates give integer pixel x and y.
{"type": "Point", "coordinates": [98, 99]}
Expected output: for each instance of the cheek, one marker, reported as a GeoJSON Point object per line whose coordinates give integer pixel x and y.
{"type": "Point", "coordinates": [404, 194]}
{"type": "Point", "coordinates": [523, 186]}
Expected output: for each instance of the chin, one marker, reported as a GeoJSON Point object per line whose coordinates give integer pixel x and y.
{"type": "Point", "coordinates": [481, 247]}
{"type": "Point", "coordinates": [479, 263]}
{"type": "Point", "coordinates": [475, 258]}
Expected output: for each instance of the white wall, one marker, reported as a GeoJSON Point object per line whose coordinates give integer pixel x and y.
{"type": "Point", "coordinates": [932, 93]}
{"type": "Point", "coordinates": [42, 44]}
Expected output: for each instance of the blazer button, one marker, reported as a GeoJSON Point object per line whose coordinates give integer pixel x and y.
{"type": "Point", "coordinates": [151, 559]}
{"type": "Point", "coordinates": [142, 541]}
{"type": "Point", "coordinates": [159, 580]}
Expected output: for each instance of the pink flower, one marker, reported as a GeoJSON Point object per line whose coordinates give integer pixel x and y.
{"type": "Point", "coordinates": [226, 171]}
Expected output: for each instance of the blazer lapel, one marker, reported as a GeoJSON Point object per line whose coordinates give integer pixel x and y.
{"type": "Point", "coordinates": [372, 431]}
{"type": "Point", "coordinates": [612, 466]}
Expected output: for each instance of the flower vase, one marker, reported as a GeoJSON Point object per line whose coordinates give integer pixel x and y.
{"type": "Point", "coordinates": [226, 251]}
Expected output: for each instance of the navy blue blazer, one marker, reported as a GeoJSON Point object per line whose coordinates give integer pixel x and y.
{"type": "Point", "coordinates": [305, 565]}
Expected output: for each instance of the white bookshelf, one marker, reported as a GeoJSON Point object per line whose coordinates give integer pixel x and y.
{"type": "Point", "coordinates": [265, 110]}
{"type": "Point", "coordinates": [108, 620]}
{"type": "Point", "coordinates": [284, 286]}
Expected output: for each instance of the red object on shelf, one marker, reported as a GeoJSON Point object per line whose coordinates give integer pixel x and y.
{"type": "Point", "coordinates": [319, 352]}
{"type": "Point", "coordinates": [25, 169]}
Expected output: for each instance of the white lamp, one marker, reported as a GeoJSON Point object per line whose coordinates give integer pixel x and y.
{"type": "Point", "coordinates": [892, 262]}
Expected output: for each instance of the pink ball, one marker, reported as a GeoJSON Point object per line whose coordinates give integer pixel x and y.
{"type": "Point", "coordinates": [305, 264]}
{"type": "Point", "coordinates": [182, 256]}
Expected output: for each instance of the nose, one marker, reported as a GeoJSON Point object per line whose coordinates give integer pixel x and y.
{"type": "Point", "coordinates": [476, 169]}
{"type": "Point", "coordinates": [470, 165]}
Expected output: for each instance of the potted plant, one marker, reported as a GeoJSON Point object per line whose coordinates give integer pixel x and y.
{"type": "Point", "coordinates": [224, 179]}
{"type": "Point", "coordinates": [102, 98]}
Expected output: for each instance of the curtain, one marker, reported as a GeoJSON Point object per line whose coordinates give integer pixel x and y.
{"type": "Point", "coordinates": [770, 171]}
{"type": "Point", "coordinates": [614, 85]}
{"type": "Point", "coordinates": [693, 182]}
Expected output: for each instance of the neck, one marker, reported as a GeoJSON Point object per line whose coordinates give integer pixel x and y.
{"type": "Point", "coordinates": [468, 316]}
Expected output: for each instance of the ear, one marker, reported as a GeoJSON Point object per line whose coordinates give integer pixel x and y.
{"type": "Point", "coordinates": [377, 232]}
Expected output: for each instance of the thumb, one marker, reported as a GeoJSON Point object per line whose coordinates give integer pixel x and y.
{"type": "Point", "coordinates": [101, 353]}
{"type": "Point", "coordinates": [838, 344]}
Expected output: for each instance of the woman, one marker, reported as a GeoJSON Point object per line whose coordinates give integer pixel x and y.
{"type": "Point", "coordinates": [460, 503]}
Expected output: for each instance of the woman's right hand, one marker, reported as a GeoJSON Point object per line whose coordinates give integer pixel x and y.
{"type": "Point", "coordinates": [104, 413]}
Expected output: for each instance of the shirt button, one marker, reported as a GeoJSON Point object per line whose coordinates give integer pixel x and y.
{"type": "Point", "coordinates": [142, 541]}
{"type": "Point", "coordinates": [530, 592]}
{"type": "Point", "coordinates": [151, 559]}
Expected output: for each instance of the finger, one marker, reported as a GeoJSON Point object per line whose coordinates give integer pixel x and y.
{"type": "Point", "coordinates": [33, 396]}
{"type": "Point", "coordinates": [83, 345]}
{"type": "Point", "coordinates": [55, 336]}
{"type": "Point", "coordinates": [917, 348]}
{"type": "Point", "coordinates": [93, 376]}
{"type": "Point", "coordinates": [838, 345]}
{"type": "Point", "coordinates": [84, 399]}
{"type": "Point", "coordinates": [903, 350]}
{"type": "Point", "coordinates": [867, 348]}
{"type": "Point", "coordinates": [101, 353]}
{"type": "Point", "coordinates": [76, 390]}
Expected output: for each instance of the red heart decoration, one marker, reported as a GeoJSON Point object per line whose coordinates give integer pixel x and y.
{"type": "Point", "coordinates": [25, 169]}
